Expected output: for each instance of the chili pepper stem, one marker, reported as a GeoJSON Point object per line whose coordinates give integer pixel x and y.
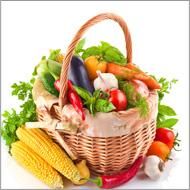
{"type": "Point", "coordinates": [97, 181]}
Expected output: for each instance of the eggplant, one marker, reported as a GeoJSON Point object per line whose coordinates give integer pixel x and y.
{"type": "Point", "coordinates": [78, 74]}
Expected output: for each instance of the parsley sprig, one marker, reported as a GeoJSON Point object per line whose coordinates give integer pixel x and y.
{"type": "Point", "coordinates": [166, 115]}
{"type": "Point", "coordinates": [13, 119]}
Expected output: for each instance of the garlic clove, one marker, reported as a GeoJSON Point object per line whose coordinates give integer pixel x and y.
{"type": "Point", "coordinates": [153, 167]}
{"type": "Point", "coordinates": [105, 81]}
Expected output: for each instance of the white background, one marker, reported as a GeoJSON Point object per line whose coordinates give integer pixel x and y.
{"type": "Point", "coordinates": [160, 43]}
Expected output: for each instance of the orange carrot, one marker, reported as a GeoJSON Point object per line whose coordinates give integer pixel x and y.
{"type": "Point", "coordinates": [121, 71]}
{"type": "Point", "coordinates": [148, 80]}
{"type": "Point", "coordinates": [132, 72]}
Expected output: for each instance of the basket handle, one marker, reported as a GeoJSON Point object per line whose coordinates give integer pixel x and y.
{"type": "Point", "coordinates": [74, 42]}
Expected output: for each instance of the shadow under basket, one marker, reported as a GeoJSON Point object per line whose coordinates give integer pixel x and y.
{"type": "Point", "coordinates": [104, 155]}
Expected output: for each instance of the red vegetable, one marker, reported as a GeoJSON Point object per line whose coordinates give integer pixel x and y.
{"type": "Point", "coordinates": [112, 181]}
{"type": "Point", "coordinates": [57, 85]}
{"type": "Point", "coordinates": [118, 99]}
{"type": "Point", "coordinates": [75, 100]}
{"type": "Point", "coordinates": [166, 136]}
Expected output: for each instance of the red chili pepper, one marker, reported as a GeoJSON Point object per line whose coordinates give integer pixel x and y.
{"type": "Point", "coordinates": [57, 85]}
{"type": "Point", "coordinates": [75, 100]}
{"type": "Point", "coordinates": [111, 181]}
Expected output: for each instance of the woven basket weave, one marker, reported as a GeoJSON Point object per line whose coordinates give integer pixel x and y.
{"type": "Point", "coordinates": [104, 155]}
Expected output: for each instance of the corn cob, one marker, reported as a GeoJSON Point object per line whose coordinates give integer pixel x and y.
{"type": "Point", "coordinates": [41, 143]}
{"type": "Point", "coordinates": [36, 165]}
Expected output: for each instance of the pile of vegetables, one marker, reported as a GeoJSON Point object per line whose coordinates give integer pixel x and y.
{"type": "Point", "coordinates": [100, 80]}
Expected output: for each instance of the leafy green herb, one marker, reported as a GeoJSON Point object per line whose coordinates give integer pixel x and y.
{"type": "Point", "coordinates": [54, 53]}
{"type": "Point", "coordinates": [94, 103]}
{"type": "Point", "coordinates": [165, 87]}
{"type": "Point", "coordinates": [79, 47]}
{"type": "Point", "coordinates": [12, 119]}
{"type": "Point", "coordinates": [134, 99]}
{"type": "Point", "coordinates": [165, 112]}
{"type": "Point", "coordinates": [104, 51]}
{"type": "Point", "coordinates": [167, 123]}
{"type": "Point", "coordinates": [103, 105]}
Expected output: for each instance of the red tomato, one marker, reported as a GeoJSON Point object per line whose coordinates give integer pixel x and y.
{"type": "Point", "coordinates": [140, 87]}
{"type": "Point", "coordinates": [166, 136]}
{"type": "Point", "coordinates": [118, 99]}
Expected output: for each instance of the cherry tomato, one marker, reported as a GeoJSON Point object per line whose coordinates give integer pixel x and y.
{"type": "Point", "coordinates": [118, 99]}
{"type": "Point", "coordinates": [140, 87]}
{"type": "Point", "coordinates": [166, 136]}
{"type": "Point", "coordinates": [159, 149]}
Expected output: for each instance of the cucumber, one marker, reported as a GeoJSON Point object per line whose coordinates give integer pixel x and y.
{"type": "Point", "coordinates": [48, 82]}
{"type": "Point", "coordinates": [54, 68]}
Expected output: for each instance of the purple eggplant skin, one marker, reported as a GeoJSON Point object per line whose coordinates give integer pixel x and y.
{"type": "Point", "coordinates": [78, 74]}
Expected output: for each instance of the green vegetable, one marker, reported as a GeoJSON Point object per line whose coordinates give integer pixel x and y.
{"type": "Point", "coordinates": [134, 99]}
{"type": "Point", "coordinates": [102, 105]}
{"type": "Point", "coordinates": [105, 51]}
{"type": "Point", "coordinates": [48, 82]}
{"type": "Point", "coordinates": [168, 123]}
{"type": "Point", "coordinates": [54, 53]}
{"type": "Point", "coordinates": [54, 68]}
{"type": "Point", "coordinates": [165, 112]}
{"type": "Point", "coordinates": [94, 102]}
{"type": "Point", "coordinates": [79, 47]}
{"type": "Point", "coordinates": [49, 71]}
{"type": "Point", "coordinates": [12, 120]}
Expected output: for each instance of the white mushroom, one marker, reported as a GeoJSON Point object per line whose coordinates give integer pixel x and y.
{"type": "Point", "coordinates": [153, 167]}
{"type": "Point", "coordinates": [105, 81]}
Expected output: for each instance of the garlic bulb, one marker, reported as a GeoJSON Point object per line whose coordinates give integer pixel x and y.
{"type": "Point", "coordinates": [105, 81]}
{"type": "Point", "coordinates": [153, 167]}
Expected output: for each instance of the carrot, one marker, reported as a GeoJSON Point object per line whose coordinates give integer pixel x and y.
{"type": "Point", "coordinates": [121, 71]}
{"type": "Point", "coordinates": [133, 67]}
{"type": "Point", "coordinates": [132, 72]}
{"type": "Point", "coordinates": [148, 80]}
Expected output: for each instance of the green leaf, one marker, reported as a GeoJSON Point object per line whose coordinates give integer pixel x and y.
{"type": "Point", "coordinates": [94, 50]}
{"type": "Point", "coordinates": [113, 54]}
{"type": "Point", "coordinates": [80, 45]}
{"type": "Point", "coordinates": [96, 93]}
{"type": "Point", "coordinates": [54, 54]}
{"type": "Point", "coordinates": [83, 93]}
{"type": "Point", "coordinates": [102, 105]}
{"type": "Point", "coordinates": [104, 46]}
{"type": "Point", "coordinates": [168, 123]}
{"type": "Point", "coordinates": [166, 110]}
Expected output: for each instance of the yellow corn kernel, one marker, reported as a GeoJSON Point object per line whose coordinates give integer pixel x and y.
{"type": "Point", "coordinates": [42, 144]}
{"type": "Point", "coordinates": [26, 157]}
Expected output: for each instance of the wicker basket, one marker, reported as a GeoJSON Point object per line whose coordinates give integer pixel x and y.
{"type": "Point", "coordinates": [104, 155]}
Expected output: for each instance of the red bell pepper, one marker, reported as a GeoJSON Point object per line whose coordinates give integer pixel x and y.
{"type": "Point", "coordinates": [111, 181]}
